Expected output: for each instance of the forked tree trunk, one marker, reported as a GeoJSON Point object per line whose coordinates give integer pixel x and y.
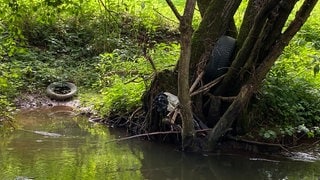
{"type": "Point", "coordinates": [261, 40]}
{"type": "Point", "coordinates": [264, 63]}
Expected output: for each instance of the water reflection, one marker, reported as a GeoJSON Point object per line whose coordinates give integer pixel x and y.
{"type": "Point", "coordinates": [83, 152]}
{"type": "Point", "coordinates": [163, 163]}
{"type": "Point", "coordinates": [80, 153]}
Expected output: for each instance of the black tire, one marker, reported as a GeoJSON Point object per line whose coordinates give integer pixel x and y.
{"type": "Point", "coordinates": [60, 97]}
{"type": "Point", "coordinates": [220, 58]}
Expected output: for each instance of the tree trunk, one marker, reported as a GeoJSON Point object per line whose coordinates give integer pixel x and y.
{"type": "Point", "coordinates": [233, 112]}
{"type": "Point", "coordinates": [183, 75]}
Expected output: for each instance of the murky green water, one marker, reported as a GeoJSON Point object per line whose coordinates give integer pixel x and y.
{"type": "Point", "coordinates": [83, 152]}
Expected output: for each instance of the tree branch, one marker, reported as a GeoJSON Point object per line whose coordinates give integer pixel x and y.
{"type": "Point", "coordinates": [300, 18]}
{"type": "Point", "coordinates": [245, 51]}
{"type": "Point", "coordinates": [174, 9]}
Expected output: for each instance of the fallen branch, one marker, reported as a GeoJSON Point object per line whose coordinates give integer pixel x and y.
{"type": "Point", "coordinates": [153, 133]}
{"type": "Point", "coordinates": [258, 143]}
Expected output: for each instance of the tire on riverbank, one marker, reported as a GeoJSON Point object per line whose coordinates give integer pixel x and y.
{"type": "Point", "coordinates": [69, 90]}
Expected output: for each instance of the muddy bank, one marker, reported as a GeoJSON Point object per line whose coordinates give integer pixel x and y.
{"type": "Point", "coordinates": [32, 101]}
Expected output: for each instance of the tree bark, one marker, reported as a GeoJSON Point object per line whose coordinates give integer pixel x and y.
{"type": "Point", "coordinates": [203, 4]}
{"type": "Point", "coordinates": [183, 75]}
{"type": "Point", "coordinates": [232, 113]}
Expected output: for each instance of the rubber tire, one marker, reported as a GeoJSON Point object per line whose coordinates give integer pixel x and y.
{"type": "Point", "coordinates": [220, 58]}
{"type": "Point", "coordinates": [60, 97]}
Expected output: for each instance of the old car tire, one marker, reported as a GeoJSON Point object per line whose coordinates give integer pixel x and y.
{"type": "Point", "coordinates": [220, 58]}
{"type": "Point", "coordinates": [60, 97]}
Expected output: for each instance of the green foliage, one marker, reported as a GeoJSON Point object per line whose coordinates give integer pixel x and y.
{"type": "Point", "coordinates": [292, 101]}
{"type": "Point", "coordinates": [121, 97]}
{"type": "Point", "coordinates": [124, 76]}
{"type": "Point", "coordinates": [10, 82]}
{"type": "Point", "coordinates": [268, 134]}
{"type": "Point", "coordinates": [288, 102]}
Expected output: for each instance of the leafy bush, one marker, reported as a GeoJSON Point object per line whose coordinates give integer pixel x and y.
{"type": "Point", "coordinates": [10, 82]}
{"type": "Point", "coordinates": [121, 97]}
{"type": "Point", "coordinates": [124, 76]}
{"type": "Point", "coordinates": [290, 96]}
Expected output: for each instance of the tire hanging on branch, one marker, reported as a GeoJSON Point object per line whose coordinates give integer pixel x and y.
{"type": "Point", "coordinates": [220, 58]}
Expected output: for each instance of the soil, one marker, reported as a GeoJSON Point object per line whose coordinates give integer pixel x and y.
{"type": "Point", "coordinates": [32, 101]}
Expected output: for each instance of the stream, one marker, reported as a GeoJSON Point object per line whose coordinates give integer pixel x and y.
{"type": "Point", "coordinates": [55, 143]}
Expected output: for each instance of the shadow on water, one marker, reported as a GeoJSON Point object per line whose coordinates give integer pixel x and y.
{"type": "Point", "coordinates": [82, 151]}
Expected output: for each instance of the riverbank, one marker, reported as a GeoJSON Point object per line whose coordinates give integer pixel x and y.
{"type": "Point", "coordinates": [305, 149]}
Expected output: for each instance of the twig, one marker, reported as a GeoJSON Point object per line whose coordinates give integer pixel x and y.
{"type": "Point", "coordinates": [148, 57]}
{"type": "Point", "coordinates": [134, 79]}
{"type": "Point", "coordinates": [131, 116]}
{"type": "Point", "coordinates": [196, 82]}
{"type": "Point", "coordinates": [174, 117]}
{"type": "Point", "coordinates": [107, 9]}
{"type": "Point", "coordinates": [207, 86]}
{"type": "Point", "coordinates": [164, 16]}
{"type": "Point", "coordinates": [134, 113]}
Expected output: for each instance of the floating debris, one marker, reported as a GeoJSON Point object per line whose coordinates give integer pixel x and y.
{"type": "Point", "coordinates": [23, 178]}
{"type": "Point", "coordinates": [47, 133]}
{"type": "Point", "coordinates": [43, 133]}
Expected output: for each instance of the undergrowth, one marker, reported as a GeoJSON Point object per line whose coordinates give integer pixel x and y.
{"type": "Point", "coordinates": [101, 46]}
{"type": "Point", "coordinates": [122, 79]}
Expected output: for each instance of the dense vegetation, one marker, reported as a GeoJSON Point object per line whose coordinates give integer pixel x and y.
{"type": "Point", "coordinates": [105, 47]}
